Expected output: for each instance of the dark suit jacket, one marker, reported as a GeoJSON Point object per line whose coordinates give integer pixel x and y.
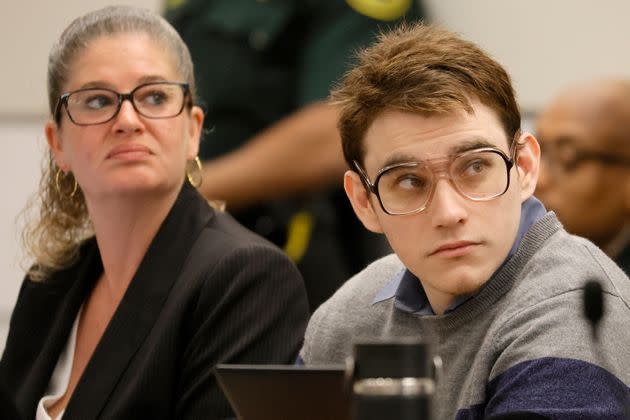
{"type": "Point", "coordinates": [7, 406]}
{"type": "Point", "coordinates": [207, 291]}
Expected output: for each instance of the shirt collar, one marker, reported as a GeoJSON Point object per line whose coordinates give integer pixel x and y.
{"type": "Point", "coordinates": [408, 292]}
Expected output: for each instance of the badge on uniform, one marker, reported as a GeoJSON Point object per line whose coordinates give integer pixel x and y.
{"type": "Point", "coordinates": [381, 9]}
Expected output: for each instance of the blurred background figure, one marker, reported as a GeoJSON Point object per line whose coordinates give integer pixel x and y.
{"type": "Point", "coordinates": [271, 149]}
{"type": "Point", "coordinates": [585, 176]}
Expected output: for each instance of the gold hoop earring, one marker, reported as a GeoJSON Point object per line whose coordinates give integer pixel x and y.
{"type": "Point", "coordinates": [57, 184]}
{"type": "Point", "coordinates": [193, 172]}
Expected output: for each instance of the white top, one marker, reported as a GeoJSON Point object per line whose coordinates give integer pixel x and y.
{"type": "Point", "coordinates": [60, 378]}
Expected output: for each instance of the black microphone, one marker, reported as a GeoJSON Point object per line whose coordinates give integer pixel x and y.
{"type": "Point", "coordinates": [593, 304]}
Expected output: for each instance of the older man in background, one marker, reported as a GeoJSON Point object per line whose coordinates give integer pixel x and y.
{"type": "Point", "coordinates": [585, 173]}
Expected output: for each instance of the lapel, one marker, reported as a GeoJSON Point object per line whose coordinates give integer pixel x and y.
{"type": "Point", "coordinates": [141, 304]}
{"type": "Point", "coordinates": [67, 290]}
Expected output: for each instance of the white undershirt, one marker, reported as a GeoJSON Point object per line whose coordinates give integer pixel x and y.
{"type": "Point", "coordinates": [60, 378]}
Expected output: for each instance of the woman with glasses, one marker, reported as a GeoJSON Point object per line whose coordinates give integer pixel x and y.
{"type": "Point", "coordinates": [138, 286]}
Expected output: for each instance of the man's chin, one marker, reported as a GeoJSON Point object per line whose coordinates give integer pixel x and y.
{"type": "Point", "coordinates": [462, 282]}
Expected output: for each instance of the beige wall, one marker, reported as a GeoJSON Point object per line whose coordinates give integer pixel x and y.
{"type": "Point", "coordinates": [545, 44]}
{"type": "Point", "coordinates": [28, 29]}
{"type": "Point", "coordinates": [22, 145]}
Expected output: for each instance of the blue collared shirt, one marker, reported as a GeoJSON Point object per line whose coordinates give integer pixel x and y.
{"type": "Point", "coordinates": [407, 289]}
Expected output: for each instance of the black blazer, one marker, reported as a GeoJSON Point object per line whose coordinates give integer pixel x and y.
{"type": "Point", "coordinates": [7, 406]}
{"type": "Point", "coordinates": [207, 291]}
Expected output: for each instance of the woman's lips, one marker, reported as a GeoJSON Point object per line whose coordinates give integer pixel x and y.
{"type": "Point", "coordinates": [129, 152]}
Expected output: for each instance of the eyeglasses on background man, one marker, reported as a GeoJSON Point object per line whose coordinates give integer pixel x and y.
{"type": "Point", "coordinates": [565, 156]}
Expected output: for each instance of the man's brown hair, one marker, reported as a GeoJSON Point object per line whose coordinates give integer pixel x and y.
{"type": "Point", "coordinates": [422, 69]}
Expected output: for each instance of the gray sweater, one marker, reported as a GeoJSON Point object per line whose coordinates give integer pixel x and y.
{"type": "Point", "coordinates": [520, 344]}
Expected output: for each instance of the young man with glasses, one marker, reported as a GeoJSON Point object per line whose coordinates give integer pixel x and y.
{"type": "Point", "coordinates": [585, 171]}
{"type": "Point", "coordinates": [431, 131]}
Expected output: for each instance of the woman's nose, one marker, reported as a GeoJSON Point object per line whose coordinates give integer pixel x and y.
{"type": "Point", "coordinates": [127, 118]}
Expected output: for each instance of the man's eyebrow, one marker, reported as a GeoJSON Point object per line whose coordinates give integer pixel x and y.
{"type": "Point", "coordinates": [399, 158]}
{"type": "Point", "coordinates": [472, 144]}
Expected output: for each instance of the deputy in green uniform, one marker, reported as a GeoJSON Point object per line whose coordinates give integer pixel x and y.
{"type": "Point", "coordinates": [264, 69]}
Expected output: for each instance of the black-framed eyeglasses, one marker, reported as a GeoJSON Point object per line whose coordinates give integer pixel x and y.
{"type": "Point", "coordinates": [405, 188]}
{"type": "Point", "coordinates": [565, 156]}
{"type": "Point", "coordinates": [91, 106]}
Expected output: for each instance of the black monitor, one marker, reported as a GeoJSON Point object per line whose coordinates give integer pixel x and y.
{"type": "Point", "coordinates": [285, 392]}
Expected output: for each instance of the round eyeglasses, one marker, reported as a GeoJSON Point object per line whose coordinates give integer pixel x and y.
{"type": "Point", "coordinates": [91, 106]}
{"type": "Point", "coordinates": [404, 188]}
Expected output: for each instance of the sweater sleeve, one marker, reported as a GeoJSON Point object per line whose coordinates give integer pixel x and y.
{"type": "Point", "coordinates": [549, 362]}
{"type": "Point", "coordinates": [257, 315]}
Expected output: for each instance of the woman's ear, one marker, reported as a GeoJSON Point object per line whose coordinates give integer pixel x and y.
{"type": "Point", "coordinates": [195, 128]}
{"type": "Point", "coordinates": [51, 129]}
{"type": "Point", "coordinates": [360, 200]}
{"type": "Point", "coordinates": [527, 164]}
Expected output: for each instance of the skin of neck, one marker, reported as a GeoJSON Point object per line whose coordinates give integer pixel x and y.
{"type": "Point", "coordinates": [124, 228]}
